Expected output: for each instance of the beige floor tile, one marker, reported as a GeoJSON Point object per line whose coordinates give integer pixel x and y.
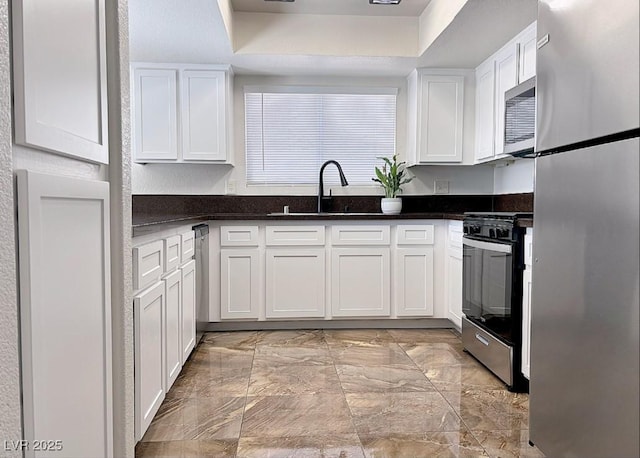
{"type": "Point", "coordinates": [293, 380]}
{"type": "Point", "coordinates": [376, 414]}
{"type": "Point", "coordinates": [382, 379]}
{"type": "Point", "coordinates": [303, 415]}
{"type": "Point", "coordinates": [508, 444]}
{"type": "Point", "coordinates": [236, 339]}
{"type": "Point", "coordinates": [490, 410]}
{"type": "Point", "coordinates": [342, 446]}
{"type": "Point", "coordinates": [463, 377]}
{"type": "Point", "coordinates": [379, 355]}
{"type": "Point", "coordinates": [270, 357]}
{"type": "Point", "coordinates": [187, 449]}
{"type": "Point", "coordinates": [302, 338]}
{"type": "Point", "coordinates": [437, 354]}
{"type": "Point", "coordinates": [459, 444]}
{"type": "Point", "coordinates": [417, 336]}
{"type": "Point", "coordinates": [197, 418]}
{"type": "Point", "coordinates": [357, 337]}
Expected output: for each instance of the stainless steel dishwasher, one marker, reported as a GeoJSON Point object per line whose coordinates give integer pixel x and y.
{"type": "Point", "coordinates": [202, 279]}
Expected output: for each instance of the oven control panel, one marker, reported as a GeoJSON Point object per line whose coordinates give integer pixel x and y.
{"type": "Point", "coordinates": [490, 228]}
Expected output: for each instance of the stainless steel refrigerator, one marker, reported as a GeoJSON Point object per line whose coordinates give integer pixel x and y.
{"type": "Point", "coordinates": [585, 298]}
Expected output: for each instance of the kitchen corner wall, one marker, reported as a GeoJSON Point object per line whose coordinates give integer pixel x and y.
{"type": "Point", "coordinates": [211, 179]}
{"type": "Point", "coordinates": [10, 404]}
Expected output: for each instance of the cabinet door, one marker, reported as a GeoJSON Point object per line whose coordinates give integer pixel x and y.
{"type": "Point", "coordinates": [188, 336]}
{"type": "Point", "coordinates": [239, 284]}
{"type": "Point", "coordinates": [203, 115]}
{"type": "Point", "coordinates": [155, 116]}
{"type": "Point", "coordinates": [414, 281]}
{"type": "Point", "coordinates": [295, 283]}
{"type": "Point", "coordinates": [360, 282]}
{"type": "Point", "coordinates": [506, 78]}
{"type": "Point", "coordinates": [454, 285]}
{"type": "Point", "coordinates": [173, 327]}
{"type": "Point", "coordinates": [440, 118]}
{"type": "Point", "coordinates": [485, 110]}
{"type": "Point", "coordinates": [149, 355]}
{"type": "Point", "coordinates": [65, 314]}
{"type": "Point", "coordinates": [526, 321]}
{"type": "Point", "coordinates": [527, 53]}
{"type": "Point", "coordinates": [60, 77]}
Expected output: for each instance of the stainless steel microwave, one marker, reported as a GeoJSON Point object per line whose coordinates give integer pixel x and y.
{"type": "Point", "coordinates": [520, 118]}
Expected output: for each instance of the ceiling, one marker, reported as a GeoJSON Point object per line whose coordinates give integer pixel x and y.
{"type": "Point", "coordinates": [194, 32]}
{"type": "Point", "coordinates": [336, 7]}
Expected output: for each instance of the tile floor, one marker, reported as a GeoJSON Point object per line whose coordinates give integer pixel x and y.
{"type": "Point", "coordinates": [337, 393]}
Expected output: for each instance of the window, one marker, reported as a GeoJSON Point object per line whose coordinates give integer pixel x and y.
{"type": "Point", "coordinates": [291, 131]}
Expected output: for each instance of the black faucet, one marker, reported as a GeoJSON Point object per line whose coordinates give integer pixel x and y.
{"type": "Point", "coordinates": [321, 199]}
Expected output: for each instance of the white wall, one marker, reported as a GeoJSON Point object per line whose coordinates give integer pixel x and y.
{"type": "Point", "coordinates": [212, 179]}
{"type": "Point", "coordinates": [514, 178]}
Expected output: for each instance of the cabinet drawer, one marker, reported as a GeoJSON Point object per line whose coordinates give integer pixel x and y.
{"type": "Point", "coordinates": [148, 264]}
{"type": "Point", "coordinates": [188, 245]}
{"type": "Point", "coordinates": [360, 235]}
{"type": "Point", "coordinates": [295, 235]}
{"type": "Point", "coordinates": [172, 253]}
{"type": "Point", "coordinates": [415, 235]}
{"type": "Point", "coordinates": [239, 236]}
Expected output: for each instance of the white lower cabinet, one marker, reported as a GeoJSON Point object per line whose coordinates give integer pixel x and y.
{"type": "Point", "coordinates": [173, 327]}
{"type": "Point", "coordinates": [454, 273]}
{"type": "Point", "coordinates": [414, 281]}
{"type": "Point", "coordinates": [239, 283]}
{"type": "Point", "coordinates": [360, 282]}
{"type": "Point", "coordinates": [295, 283]}
{"type": "Point", "coordinates": [526, 303]}
{"type": "Point", "coordinates": [149, 323]}
{"type": "Point", "coordinates": [188, 312]}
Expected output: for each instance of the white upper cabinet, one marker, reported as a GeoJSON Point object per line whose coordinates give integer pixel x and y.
{"type": "Point", "coordinates": [203, 115]}
{"type": "Point", "coordinates": [485, 109]}
{"type": "Point", "coordinates": [527, 41]}
{"type": "Point", "coordinates": [435, 116]}
{"type": "Point", "coordinates": [60, 78]}
{"type": "Point", "coordinates": [155, 115]}
{"type": "Point", "coordinates": [512, 64]}
{"type": "Point", "coordinates": [181, 113]}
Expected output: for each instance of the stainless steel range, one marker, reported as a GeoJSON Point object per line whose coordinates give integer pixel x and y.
{"type": "Point", "coordinates": [493, 260]}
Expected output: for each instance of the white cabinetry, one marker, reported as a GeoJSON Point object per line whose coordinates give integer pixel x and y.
{"type": "Point", "coordinates": [454, 273]}
{"type": "Point", "coordinates": [149, 324]}
{"type": "Point", "coordinates": [188, 334]}
{"type": "Point", "coordinates": [164, 317]}
{"type": "Point", "coordinates": [413, 270]}
{"type": "Point", "coordinates": [65, 314]}
{"type": "Point", "coordinates": [181, 113]}
{"type": "Point", "coordinates": [526, 302]}
{"type": "Point", "coordinates": [173, 327]}
{"type": "Point", "coordinates": [527, 42]}
{"type": "Point", "coordinates": [60, 77]}
{"type": "Point", "coordinates": [360, 282]}
{"type": "Point", "coordinates": [512, 64]}
{"type": "Point", "coordinates": [239, 273]}
{"type": "Point", "coordinates": [295, 272]}
{"type": "Point", "coordinates": [435, 116]}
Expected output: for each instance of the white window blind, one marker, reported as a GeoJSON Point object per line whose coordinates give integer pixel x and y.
{"type": "Point", "coordinates": [290, 133]}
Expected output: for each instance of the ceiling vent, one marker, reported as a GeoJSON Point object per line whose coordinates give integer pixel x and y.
{"type": "Point", "coordinates": [384, 2]}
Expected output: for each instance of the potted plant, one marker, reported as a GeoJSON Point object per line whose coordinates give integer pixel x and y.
{"type": "Point", "coordinates": [392, 176]}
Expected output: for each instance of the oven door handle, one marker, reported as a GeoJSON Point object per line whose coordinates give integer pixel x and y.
{"type": "Point", "coordinates": [500, 247]}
